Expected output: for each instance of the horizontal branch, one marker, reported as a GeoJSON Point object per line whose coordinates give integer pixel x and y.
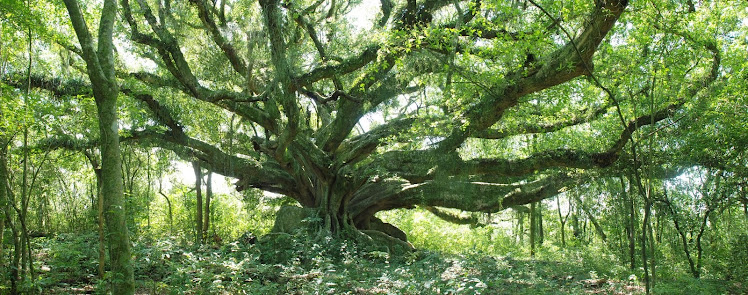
{"type": "Point", "coordinates": [540, 127]}
{"type": "Point", "coordinates": [556, 68]}
{"type": "Point", "coordinates": [452, 217]}
{"type": "Point", "coordinates": [58, 87]}
{"type": "Point", "coordinates": [425, 165]}
{"type": "Point", "coordinates": [480, 196]}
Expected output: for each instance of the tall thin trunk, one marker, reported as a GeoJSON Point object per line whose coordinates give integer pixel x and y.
{"type": "Point", "coordinates": [6, 211]}
{"type": "Point", "coordinates": [148, 190]}
{"type": "Point", "coordinates": [14, 274]}
{"type": "Point", "coordinates": [2, 236]}
{"type": "Point", "coordinates": [168, 203]}
{"type": "Point", "coordinates": [682, 234]}
{"type": "Point", "coordinates": [114, 200]}
{"type": "Point", "coordinates": [199, 207]}
{"type": "Point", "coordinates": [2, 157]}
{"type": "Point", "coordinates": [24, 196]}
{"type": "Point", "coordinates": [562, 221]}
{"type": "Point", "coordinates": [631, 224]}
{"type": "Point", "coordinates": [26, 264]}
{"type": "Point", "coordinates": [645, 223]}
{"type": "Point", "coordinates": [208, 196]}
{"type": "Point", "coordinates": [533, 229]}
{"type": "Point", "coordinates": [521, 228]}
{"type": "Point", "coordinates": [541, 235]}
{"type": "Point", "coordinates": [699, 249]}
{"type": "Point", "coordinates": [652, 252]}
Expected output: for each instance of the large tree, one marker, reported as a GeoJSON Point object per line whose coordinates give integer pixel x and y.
{"type": "Point", "coordinates": [353, 123]}
{"type": "Point", "coordinates": [473, 105]}
{"type": "Point", "coordinates": [100, 68]}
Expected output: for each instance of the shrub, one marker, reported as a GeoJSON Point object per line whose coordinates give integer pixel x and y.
{"type": "Point", "coordinates": [739, 259]}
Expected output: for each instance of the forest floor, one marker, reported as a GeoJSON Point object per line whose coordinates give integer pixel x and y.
{"type": "Point", "coordinates": [289, 265]}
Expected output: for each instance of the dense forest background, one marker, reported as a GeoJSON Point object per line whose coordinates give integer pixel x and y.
{"type": "Point", "coordinates": [373, 147]}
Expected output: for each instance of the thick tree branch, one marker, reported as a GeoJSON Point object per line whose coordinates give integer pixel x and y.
{"type": "Point", "coordinates": [541, 128]}
{"type": "Point", "coordinates": [420, 166]}
{"type": "Point", "coordinates": [228, 49]}
{"type": "Point", "coordinates": [560, 66]}
{"type": "Point", "coordinates": [411, 17]}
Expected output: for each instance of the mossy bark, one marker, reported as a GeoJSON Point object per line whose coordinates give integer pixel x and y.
{"type": "Point", "coordinates": [100, 67]}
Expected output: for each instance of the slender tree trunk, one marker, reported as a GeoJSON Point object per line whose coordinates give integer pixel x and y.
{"type": "Point", "coordinates": [541, 234]}
{"type": "Point", "coordinates": [24, 196]}
{"type": "Point", "coordinates": [576, 229]}
{"type": "Point", "coordinates": [683, 238]}
{"type": "Point", "coordinates": [652, 253]}
{"type": "Point", "coordinates": [3, 175]}
{"type": "Point", "coordinates": [562, 221]}
{"type": "Point", "coordinates": [208, 196]}
{"type": "Point", "coordinates": [15, 278]}
{"type": "Point", "coordinates": [631, 225]}
{"type": "Point", "coordinates": [645, 223]}
{"type": "Point", "coordinates": [199, 205]}
{"type": "Point", "coordinates": [148, 190]}
{"type": "Point", "coordinates": [2, 234]}
{"type": "Point", "coordinates": [25, 243]}
{"type": "Point", "coordinates": [533, 229]}
{"type": "Point", "coordinates": [99, 205]}
{"type": "Point", "coordinates": [699, 248]}
{"type": "Point", "coordinates": [6, 213]}
{"type": "Point", "coordinates": [521, 228]}
{"type": "Point", "coordinates": [8, 202]}
{"type": "Point", "coordinates": [168, 204]}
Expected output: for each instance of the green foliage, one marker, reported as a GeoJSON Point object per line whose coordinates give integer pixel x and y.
{"type": "Point", "coordinates": [69, 260]}
{"type": "Point", "coordinates": [738, 259]}
{"type": "Point", "coordinates": [284, 264]}
{"type": "Point", "coordinates": [689, 285]}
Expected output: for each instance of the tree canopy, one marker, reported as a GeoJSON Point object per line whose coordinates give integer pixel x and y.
{"type": "Point", "coordinates": [354, 108]}
{"type": "Point", "coordinates": [354, 111]}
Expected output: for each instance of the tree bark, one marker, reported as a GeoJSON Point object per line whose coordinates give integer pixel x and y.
{"type": "Point", "coordinates": [533, 228]}
{"type": "Point", "coordinates": [562, 220]}
{"type": "Point", "coordinates": [199, 203]}
{"type": "Point", "coordinates": [630, 224]}
{"type": "Point", "coordinates": [99, 205]}
{"type": "Point", "coordinates": [541, 233]}
{"type": "Point", "coordinates": [208, 196]}
{"type": "Point", "coordinates": [5, 207]}
{"type": "Point", "coordinates": [100, 67]}
{"type": "Point", "coordinates": [598, 228]}
{"type": "Point", "coordinates": [645, 264]}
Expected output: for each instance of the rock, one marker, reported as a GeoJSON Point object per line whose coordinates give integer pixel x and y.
{"type": "Point", "coordinates": [289, 219]}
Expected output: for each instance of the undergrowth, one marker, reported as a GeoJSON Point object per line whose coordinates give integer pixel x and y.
{"type": "Point", "coordinates": [286, 264]}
